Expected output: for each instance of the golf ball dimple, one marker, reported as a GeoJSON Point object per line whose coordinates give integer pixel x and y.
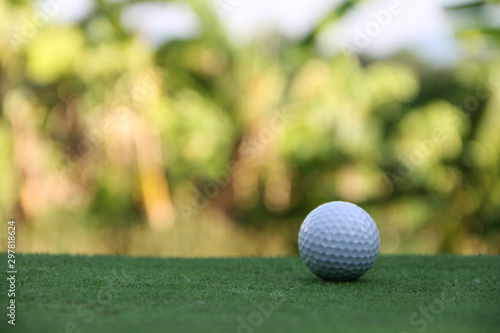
{"type": "Point", "coordinates": [339, 241]}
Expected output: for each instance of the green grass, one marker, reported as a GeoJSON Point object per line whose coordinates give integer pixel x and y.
{"type": "Point", "coordinates": [123, 294]}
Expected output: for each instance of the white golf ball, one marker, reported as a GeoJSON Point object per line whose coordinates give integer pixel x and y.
{"type": "Point", "coordinates": [339, 241]}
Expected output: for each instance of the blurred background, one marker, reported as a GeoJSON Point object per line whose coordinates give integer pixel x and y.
{"type": "Point", "coordinates": [211, 128]}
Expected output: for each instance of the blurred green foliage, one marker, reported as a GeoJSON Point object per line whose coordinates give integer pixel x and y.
{"type": "Point", "coordinates": [223, 150]}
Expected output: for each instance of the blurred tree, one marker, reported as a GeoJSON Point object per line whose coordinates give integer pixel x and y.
{"type": "Point", "coordinates": [97, 123]}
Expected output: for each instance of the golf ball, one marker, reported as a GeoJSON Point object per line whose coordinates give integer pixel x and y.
{"type": "Point", "coordinates": [339, 241]}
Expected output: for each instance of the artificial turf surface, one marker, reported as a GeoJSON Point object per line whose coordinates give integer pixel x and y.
{"type": "Point", "coordinates": [121, 294]}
